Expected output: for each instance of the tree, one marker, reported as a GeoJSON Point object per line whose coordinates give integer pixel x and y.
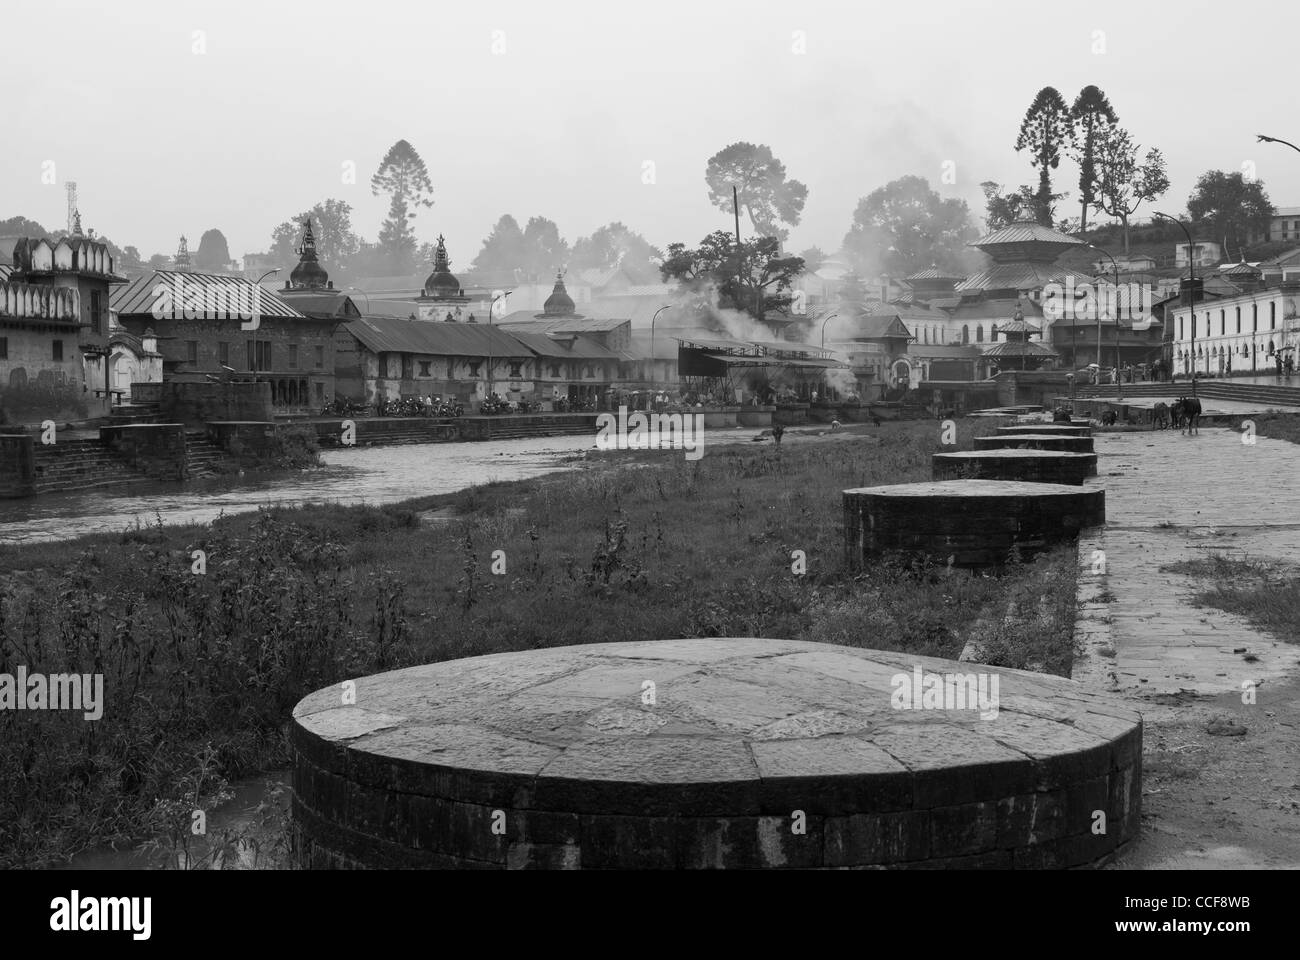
{"type": "Point", "coordinates": [336, 244]}
{"type": "Point", "coordinates": [752, 277]}
{"type": "Point", "coordinates": [614, 245]}
{"type": "Point", "coordinates": [22, 227]}
{"type": "Point", "coordinates": [813, 258]}
{"type": "Point", "coordinates": [768, 198]}
{"type": "Point", "coordinates": [130, 263]}
{"type": "Point", "coordinates": [1124, 184]}
{"type": "Point", "coordinates": [1236, 208]}
{"type": "Point", "coordinates": [160, 261]}
{"type": "Point", "coordinates": [503, 250]}
{"type": "Point", "coordinates": [1091, 116]}
{"type": "Point", "coordinates": [1044, 131]}
{"type": "Point", "coordinates": [905, 226]}
{"type": "Point", "coordinates": [403, 176]}
{"type": "Point", "coordinates": [213, 252]}
{"type": "Point", "coordinates": [545, 251]}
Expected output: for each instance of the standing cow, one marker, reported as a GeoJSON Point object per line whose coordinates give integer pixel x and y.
{"type": "Point", "coordinates": [1160, 416]}
{"type": "Point", "coordinates": [1189, 414]}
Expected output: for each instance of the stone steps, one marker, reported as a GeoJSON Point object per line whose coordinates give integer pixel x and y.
{"type": "Point", "coordinates": [127, 413]}
{"type": "Point", "coordinates": [80, 464]}
{"type": "Point", "coordinates": [1211, 389]}
{"type": "Point", "coordinates": [203, 458]}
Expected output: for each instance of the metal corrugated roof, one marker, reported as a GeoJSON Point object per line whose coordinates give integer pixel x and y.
{"type": "Point", "coordinates": [139, 297]}
{"type": "Point", "coordinates": [542, 345]}
{"type": "Point", "coordinates": [587, 349]}
{"type": "Point", "coordinates": [1017, 348]}
{"type": "Point", "coordinates": [715, 344]}
{"type": "Point", "coordinates": [528, 321]}
{"type": "Point", "coordinates": [1017, 326]}
{"type": "Point", "coordinates": [395, 335]}
{"type": "Point", "coordinates": [332, 305]}
{"type": "Point", "coordinates": [1027, 232]}
{"type": "Point", "coordinates": [1021, 276]}
{"type": "Point", "coordinates": [934, 273]}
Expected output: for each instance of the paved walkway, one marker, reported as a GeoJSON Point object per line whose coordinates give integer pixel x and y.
{"type": "Point", "coordinates": [1172, 498]}
{"type": "Point", "coordinates": [1209, 801]}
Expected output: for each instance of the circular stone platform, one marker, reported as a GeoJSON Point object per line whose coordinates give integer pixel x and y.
{"type": "Point", "coordinates": [735, 753]}
{"type": "Point", "coordinates": [1035, 441]}
{"type": "Point", "coordinates": [1036, 466]}
{"type": "Point", "coordinates": [1055, 429]}
{"type": "Point", "coordinates": [975, 522]}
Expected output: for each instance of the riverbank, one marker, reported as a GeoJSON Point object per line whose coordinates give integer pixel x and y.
{"type": "Point", "coordinates": [208, 634]}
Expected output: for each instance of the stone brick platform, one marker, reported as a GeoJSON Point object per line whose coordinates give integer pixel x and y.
{"type": "Point", "coordinates": [1035, 441]}
{"type": "Point", "coordinates": [975, 522]}
{"type": "Point", "coordinates": [1036, 466]}
{"type": "Point", "coordinates": [725, 753]}
{"type": "Point", "coordinates": [1050, 429]}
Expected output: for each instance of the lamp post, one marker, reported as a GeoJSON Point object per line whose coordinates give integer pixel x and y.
{"type": "Point", "coordinates": [1288, 143]}
{"type": "Point", "coordinates": [364, 294]}
{"type": "Point", "coordinates": [1119, 388]}
{"type": "Point", "coordinates": [491, 310]}
{"type": "Point", "coordinates": [1191, 288]}
{"type": "Point", "coordinates": [652, 342]}
{"type": "Point", "coordinates": [826, 319]}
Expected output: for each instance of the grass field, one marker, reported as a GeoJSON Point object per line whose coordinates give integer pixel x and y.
{"type": "Point", "coordinates": [202, 664]}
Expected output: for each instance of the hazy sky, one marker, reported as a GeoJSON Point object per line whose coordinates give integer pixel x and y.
{"type": "Point", "coordinates": [561, 122]}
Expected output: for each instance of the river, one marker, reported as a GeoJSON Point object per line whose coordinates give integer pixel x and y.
{"type": "Point", "coordinates": [350, 476]}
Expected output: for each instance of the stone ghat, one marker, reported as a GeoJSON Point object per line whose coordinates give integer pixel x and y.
{"type": "Point", "coordinates": [720, 753]}
{"type": "Point", "coordinates": [1052, 429]}
{"type": "Point", "coordinates": [1036, 441]}
{"type": "Point", "coordinates": [974, 522]}
{"type": "Point", "coordinates": [1037, 466]}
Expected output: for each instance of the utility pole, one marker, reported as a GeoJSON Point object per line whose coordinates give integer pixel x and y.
{"type": "Point", "coordinates": [1191, 290]}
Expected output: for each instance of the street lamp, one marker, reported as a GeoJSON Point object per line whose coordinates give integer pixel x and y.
{"type": "Point", "coordinates": [491, 310]}
{"type": "Point", "coordinates": [1264, 139]}
{"type": "Point", "coordinates": [826, 319]}
{"type": "Point", "coordinates": [1191, 288]}
{"type": "Point", "coordinates": [652, 342]}
{"type": "Point", "coordinates": [364, 294]}
{"type": "Point", "coordinates": [1119, 389]}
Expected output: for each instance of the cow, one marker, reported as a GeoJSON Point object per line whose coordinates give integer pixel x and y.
{"type": "Point", "coordinates": [1062, 415]}
{"type": "Point", "coordinates": [1160, 416]}
{"type": "Point", "coordinates": [1109, 418]}
{"type": "Point", "coordinates": [1189, 414]}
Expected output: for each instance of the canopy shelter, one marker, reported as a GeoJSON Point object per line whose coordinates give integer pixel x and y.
{"type": "Point", "coordinates": [729, 370]}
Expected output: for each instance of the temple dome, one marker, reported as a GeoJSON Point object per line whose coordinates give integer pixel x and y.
{"type": "Point", "coordinates": [441, 284]}
{"type": "Point", "coordinates": [309, 274]}
{"type": "Point", "coordinates": [559, 303]}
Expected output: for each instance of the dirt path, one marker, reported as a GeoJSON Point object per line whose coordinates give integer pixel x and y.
{"type": "Point", "coordinates": [1227, 799]}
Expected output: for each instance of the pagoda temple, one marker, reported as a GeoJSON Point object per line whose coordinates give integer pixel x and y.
{"type": "Point", "coordinates": [309, 289]}
{"type": "Point", "coordinates": [442, 297]}
{"type": "Point", "coordinates": [1016, 349]}
{"type": "Point", "coordinates": [559, 305]}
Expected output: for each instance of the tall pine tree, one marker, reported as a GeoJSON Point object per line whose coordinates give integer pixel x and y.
{"type": "Point", "coordinates": [1092, 117]}
{"type": "Point", "coordinates": [403, 176]}
{"type": "Point", "coordinates": [1044, 131]}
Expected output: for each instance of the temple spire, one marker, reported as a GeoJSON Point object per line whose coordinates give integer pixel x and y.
{"type": "Point", "coordinates": [309, 274]}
